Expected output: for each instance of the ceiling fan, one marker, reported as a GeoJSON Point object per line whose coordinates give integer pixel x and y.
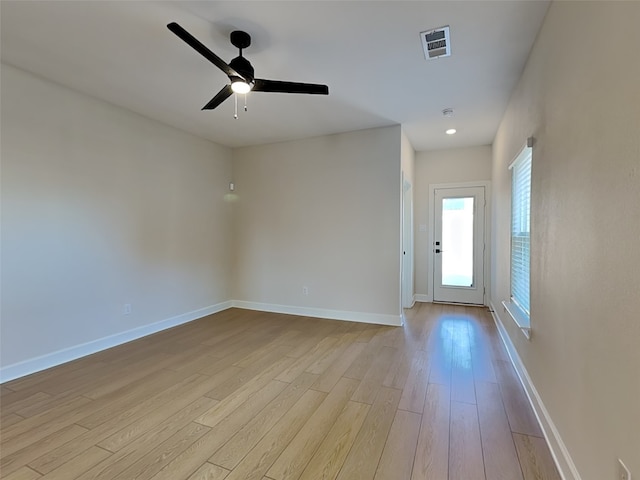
{"type": "Point", "coordinates": [240, 71]}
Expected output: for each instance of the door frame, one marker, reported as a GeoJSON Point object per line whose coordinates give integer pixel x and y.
{"type": "Point", "coordinates": [407, 294]}
{"type": "Point", "coordinates": [487, 233]}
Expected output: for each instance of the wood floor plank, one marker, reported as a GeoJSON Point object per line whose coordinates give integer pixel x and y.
{"type": "Point", "coordinates": [415, 389]}
{"type": "Point", "coordinates": [126, 455]}
{"type": "Point", "coordinates": [363, 362]}
{"type": "Point", "coordinates": [332, 452]}
{"type": "Point", "coordinates": [399, 369]}
{"type": "Point", "coordinates": [16, 407]}
{"type": "Point", "coordinates": [462, 379]}
{"type": "Point", "coordinates": [125, 427]}
{"type": "Point", "coordinates": [372, 381]}
{"type": "Point", "coordinates": [368, 333]}
{"type": "Point", "coordinates": [399, 451]}
{"type": "Point", "coordinates": [15, 461]}
{"type": "Point", "coordinates": [328, 379]}
{"type": "Point", "coordinates": [78, 465]}
{"type": "Point", "coordinates": [33, 429]}
{"type": "Point", "coordinates": [248, 436]}
{"type": "Point", "coordinates": [256, 463]}
{"type": "Point", "coordinates": [362, 460]}
{"type": "Point", "coordinates": [187, 461]}
{"type": "Point", "coordinates": [298, 453]}
{"type": "Point", "coordinates": [465, 448]}
{"type": "Point", "coordinates": [272, 365]}
{"type": "Point", "coordinates": [498, 449]}
{"type": "Point", "coordinates": [144, 369]}
{"type": "Point", "coordinates": [519, 412]}
{"type": "Point", "coordinates": [483, 370]}
{"type": "Point", "coordinates": [440, 346]}
{"type": "Point", "coordinates": [535, 458]}
{"type": "Point", "coordinates": [151, 463]}
{"type": "Point", "coordinates": [304, 361]}
{"type": "Point", "coordinates": [249, 388]}
{"type": "Point", "coordinates": [432, 453]}
{"type": "Point", "coordinates": [10, 419]}
{"type": "Point", "coordinates": [25, 473]}
{"type": "Point", "coordinates": [157, 409]}
{"type": "Point", "coordinates": [323, 362]}
{"type": "Point", "coordinates": [65, 374]}
{"type": "Point", "coordinates": [130, 399]}
{"type": "Point", "coordinates": [208, 471]}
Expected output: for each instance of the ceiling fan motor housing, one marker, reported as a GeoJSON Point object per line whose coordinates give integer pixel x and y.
{"type": "Point", "coordinates": [243, 67]}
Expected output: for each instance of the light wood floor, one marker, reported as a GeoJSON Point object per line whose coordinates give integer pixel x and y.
{"type": "Point", "coordinates": [248, 395]}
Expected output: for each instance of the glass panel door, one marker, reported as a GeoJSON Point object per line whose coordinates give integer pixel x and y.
{"type": "Point", "coordinates": [458, 248]}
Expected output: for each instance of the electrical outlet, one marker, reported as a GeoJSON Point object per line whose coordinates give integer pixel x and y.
{"type": "Point", "coordinates": [305, 290]}
{"type": "Point", "coordinates": [623, 471]}
{"type": "Point", "coordinates": [127, 309]}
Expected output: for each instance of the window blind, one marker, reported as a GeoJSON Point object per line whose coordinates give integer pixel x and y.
{"type": "Point", "coordinates": [521, 230]}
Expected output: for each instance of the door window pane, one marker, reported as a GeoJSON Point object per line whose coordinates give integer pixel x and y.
{"type": "Point", "coordinates": [457, 242]}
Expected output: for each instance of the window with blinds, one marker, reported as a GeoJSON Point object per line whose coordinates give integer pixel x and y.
{"type": "Point", "coordinates": [521, 230]}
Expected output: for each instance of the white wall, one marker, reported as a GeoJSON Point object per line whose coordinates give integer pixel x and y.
{"type": "Point", "coordinates": [456, 165]}
{"type": "Point", "coordinates": [408, 162]}
{"type": "Point", "coordinates": [323, 213]}
{"type": "Point", "coordinates": [407, 158]}
{"type": "Point", "coordinates": [102, 207]}
{"type": "Point", "coordinates": [579, 96]}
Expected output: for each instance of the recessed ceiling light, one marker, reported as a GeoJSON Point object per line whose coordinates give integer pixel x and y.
{"type": "Point", "coordinates": [450, 131]}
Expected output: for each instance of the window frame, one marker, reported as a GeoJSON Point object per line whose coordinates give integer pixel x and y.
{"type": "Point", "coordinates": [517, 306]}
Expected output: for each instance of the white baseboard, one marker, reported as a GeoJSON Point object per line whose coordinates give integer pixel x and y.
{"type": "Point", "coordinates": [566, 467]}
{"type": "Point", "coordinates": [420, 297]}
{"type": "Point", "coordinates": [33, 365]}
{"type": "Point", "coordinates": [377, 318]}
{"type": "Point", "coordinates": [27, 367]}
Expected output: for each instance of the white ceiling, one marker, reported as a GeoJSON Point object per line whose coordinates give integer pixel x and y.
{"type": "Point", "coordinates": [368, 52]}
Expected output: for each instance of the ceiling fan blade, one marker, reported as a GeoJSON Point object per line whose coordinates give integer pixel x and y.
{"type": "Point", "coordinates": [194, 43]}
{"type": "Point", "coordinates": [289, 87]}
{"type": "Point", "coordinates": [219, 98]}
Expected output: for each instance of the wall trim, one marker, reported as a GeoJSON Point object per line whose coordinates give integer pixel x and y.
{"type": "Point", "coordinates": [363, 317]}
{"type": "Point", "coordinates": [421, 297]}
{"type": "Point", "coordinates": [559, 451]}
{"type": "Point", "coordinates": [33, 365]}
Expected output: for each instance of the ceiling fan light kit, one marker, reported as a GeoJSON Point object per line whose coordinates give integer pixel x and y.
{"type": "Point", "coordinates": [241, 72]}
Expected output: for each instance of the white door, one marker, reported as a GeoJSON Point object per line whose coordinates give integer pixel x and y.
{"type": "Point", "coordinates": [458, 246]}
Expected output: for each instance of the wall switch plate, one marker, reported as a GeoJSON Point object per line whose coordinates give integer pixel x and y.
{"type": "Point", "coordinates": [127, 309]}
{"type": "Point", "coordinates": [623, 471]}
{"type": "Point", "coordinates": [305, 290]}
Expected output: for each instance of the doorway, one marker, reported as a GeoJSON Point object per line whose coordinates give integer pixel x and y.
{"type": "Point", "coordinates": [458, 244]}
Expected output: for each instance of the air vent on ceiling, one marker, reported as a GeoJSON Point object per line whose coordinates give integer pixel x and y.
{"type": "Point", "coordinates": [436, 43]}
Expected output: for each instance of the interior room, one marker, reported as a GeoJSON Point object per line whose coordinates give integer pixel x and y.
{"type": "Point", "coordinates": [201, 283]}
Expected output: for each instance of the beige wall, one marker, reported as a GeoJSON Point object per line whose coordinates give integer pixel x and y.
{"type": "Point", "coordinates": [408, 162]}
{"type": "Point", "coordinates": [407, 158]}
{"type": "Point", "coordinates": [580, 98]}
{"type": "Point", "coordinates": [458, 165]}
{"type": "Point", "coordinates": [100, 208]}
{"type": "Point", "coordinates": [323, 213]}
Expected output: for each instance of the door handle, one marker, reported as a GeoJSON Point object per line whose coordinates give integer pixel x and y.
{"type": "Point", "coordinates": [438, 250]}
